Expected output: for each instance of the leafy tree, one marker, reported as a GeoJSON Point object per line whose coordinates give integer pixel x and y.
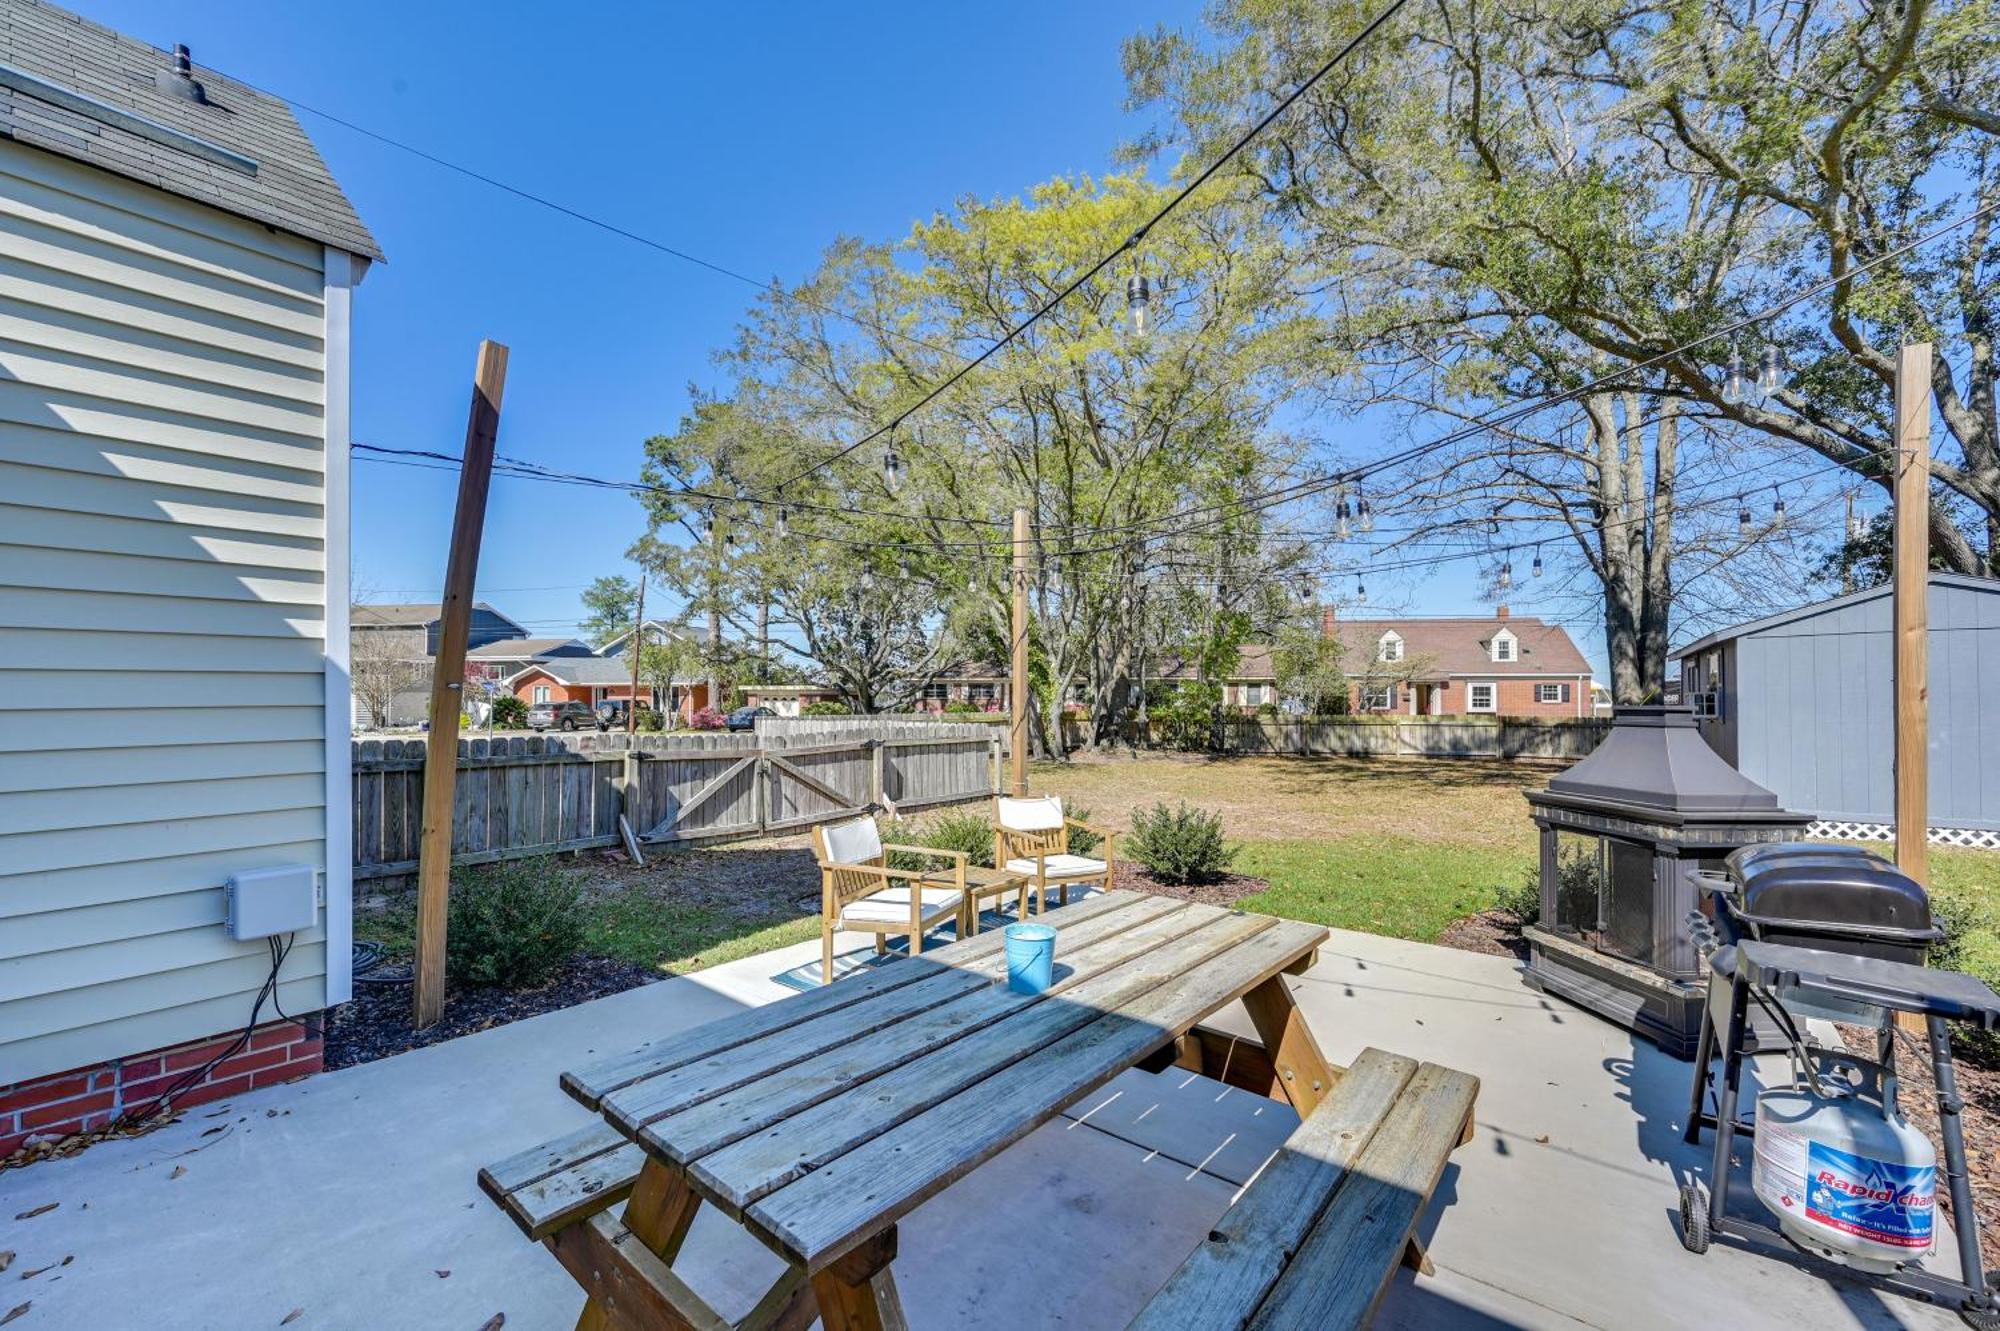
{"type": "Point", "coordinates": [668, 662]}
{"type": "Point", "coordinates": [610, 605]}
{"type": "Point", "coordinates": [1308, 666]}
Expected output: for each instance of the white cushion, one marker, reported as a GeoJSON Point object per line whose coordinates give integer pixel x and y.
{"type": "Point", "coordinates": [853, 842]}
{"type": "Point", "coordinates": [1042, 814]}
{"type": "Point", "coordinates": [1060, 866]}
{"type": "Point", "coordinates": [892, 905]}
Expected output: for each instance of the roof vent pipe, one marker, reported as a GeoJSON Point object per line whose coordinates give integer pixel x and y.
{"type": "Point", "coordinates": [179, 80]}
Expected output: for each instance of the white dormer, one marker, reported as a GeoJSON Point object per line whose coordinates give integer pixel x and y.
{"type": "Point", "coordinates": [1505, 646]}
{"type": "Point", "coordinates": [1389, 647]}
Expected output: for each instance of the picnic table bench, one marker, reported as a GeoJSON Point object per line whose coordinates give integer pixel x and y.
{"type": "Point", "coordinates": [819, 1121]}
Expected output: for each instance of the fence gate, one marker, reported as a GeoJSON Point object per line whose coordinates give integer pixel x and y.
{"type": "Point", "coordinates": [702, 787]}
{"type": "Point", "coordinates": [815, 783]}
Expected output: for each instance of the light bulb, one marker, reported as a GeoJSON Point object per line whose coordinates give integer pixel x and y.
{"type": "Point", "coordinates": [1742, 516]}
{"type": "Point", "coordinates": [1769, 378]}
{"type": "Point", "coordinates": [784, 522]}
{"type": "Point", "coordinates": [1138, 295]}
{"type": "Point", "coordinates": [1505, 581]}
{"type": "Point", "coordinates": [1360, 593]}
{"type": "Point", "coordinates": [892, 470]}
{"type": "Point", "coordinates": [1537, 568]}
{"type": "Point", "coordinates": [1367, 515]}
{"type": "Point", "coordinates": [1778, 512]}
{"type": "Point", "coordinates": [1341, 531]}
{"type": "Point", "coordinates": [1734, 386]}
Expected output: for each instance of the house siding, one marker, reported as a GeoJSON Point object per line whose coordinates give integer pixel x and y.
{"type": "Point", "coordinates": [163, 601]}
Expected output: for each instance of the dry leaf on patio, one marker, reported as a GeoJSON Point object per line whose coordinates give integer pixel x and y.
{"type": "Point", "coordinates": [1542, 1140]}
{"type": "Point", "coordinates": [498, 1320]}
{"type": "Point", "coordinates": [30, 1275]}
{"type": "Point", "coordinates": [6, 1259]}
{"type": "Point", "coordinates": [43, 1209]}
{"type": "Point", "coordinates": [178, 1171]}
{"type": "Point", "coordinates": [19, 1310]}
{"type": "Point", "coordinates": [292, 1316]}
{"type": "Point", "coordinates": [443, 1275]}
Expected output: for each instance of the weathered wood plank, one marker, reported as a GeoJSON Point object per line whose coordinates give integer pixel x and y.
{"type": "Point", "coordinates": [1228, 1276]}
{"type": "Point", "coordinates": [838, 1066]}
{"type": "Point", "coordinates": [553, 1185]}
{"type": "Point", "coordinates": [738, 1175]}
{"type": "Point", "coordinates": [594, 1081]}
{"type": "Point", "coordinates": [1346, 1261]}
{"type": "Point", "coordinates": [829, 1205]}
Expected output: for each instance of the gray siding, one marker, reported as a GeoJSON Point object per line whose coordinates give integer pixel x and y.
{"type": "Point", "coordinates": [163, 533]}
{"type": "Point", "coordinates": [1814, 708]}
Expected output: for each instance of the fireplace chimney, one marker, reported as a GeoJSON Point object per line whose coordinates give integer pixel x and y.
{"type": "Point", "coordinates": [1326, 622]}
{"type": "Point", "coordinates": [1500, 612]}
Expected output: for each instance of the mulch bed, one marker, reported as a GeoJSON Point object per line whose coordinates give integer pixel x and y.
{"type": "Point", "coordinates": [1979, 1085]}
{"type": "Point", "coordinates": [1496, 933]}
{"type": "Point", "coordinates": [1224, 891]}
{"type": "Point", "coordinates": [377, 1023]}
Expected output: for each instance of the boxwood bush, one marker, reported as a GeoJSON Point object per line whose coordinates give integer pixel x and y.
{"type": "Point", "coordinates": [1180, 845]}
{"type": "Point", "coordinates": [515, 924]}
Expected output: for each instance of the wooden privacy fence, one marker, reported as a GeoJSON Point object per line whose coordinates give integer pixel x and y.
{"type": "Point", "coordinates": [531, 795]}
{"type": "Point", "coordinates": [1508, 737]}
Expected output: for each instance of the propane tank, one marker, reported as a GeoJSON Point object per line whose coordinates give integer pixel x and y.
{"type": "Point", "coordinates": [1846, 1175]}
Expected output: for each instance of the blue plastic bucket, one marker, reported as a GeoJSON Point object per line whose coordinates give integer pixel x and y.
{"type": "Point", "coordinates": [1031, 957]}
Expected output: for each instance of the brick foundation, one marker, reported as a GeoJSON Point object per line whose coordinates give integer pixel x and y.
{"type": "Point", "coordinates": [85, 1099]}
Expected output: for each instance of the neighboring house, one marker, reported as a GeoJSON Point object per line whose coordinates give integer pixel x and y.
{"type": "Point", "coordinates": [394, 644]}
{"type": "Point", "coordinates": [788, 699]}
{"type": "Point", "coordinates": [510, 656]}
{"type": "Point", "coordinates": [652, 633]}
{"type": "Point", "coordinates": [596, 679]}
{"type": "Point", "coordinates": [975, 682]}
{"type": "Point", "coordinates": [414, 628]}
{"type": "Point", "coordinates": [1501, 664]}
{"type": "Point", "coordinates": [1802, 703]}
{"type": "Point", "coordinates": [175, 297]}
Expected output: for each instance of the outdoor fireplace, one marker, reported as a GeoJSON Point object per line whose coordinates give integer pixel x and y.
{"type": "Point", "coordinates": [1619, 829]}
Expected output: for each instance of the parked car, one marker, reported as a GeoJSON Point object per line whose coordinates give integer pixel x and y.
{"type": "Point", "coordinates": [745, 718]}
{"type": "Point", "coordinates": [560, 716]}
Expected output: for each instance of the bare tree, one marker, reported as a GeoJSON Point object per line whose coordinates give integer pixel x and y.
{"type": "Point", "coordinates": [380, 667]}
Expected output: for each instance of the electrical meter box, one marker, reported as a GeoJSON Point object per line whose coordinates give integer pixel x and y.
{"type": "Point", "coordinates": [278, 900]}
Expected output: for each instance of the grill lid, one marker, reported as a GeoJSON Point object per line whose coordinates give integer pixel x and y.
{"type": "Point", "coordinates": [1818, 885]}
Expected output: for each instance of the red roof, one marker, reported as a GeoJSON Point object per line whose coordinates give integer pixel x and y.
{"type": "Point", "coordinates": [1435, 648]}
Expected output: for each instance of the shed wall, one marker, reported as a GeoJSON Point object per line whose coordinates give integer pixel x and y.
{"type": "Point", "coordinates": [163, 537]}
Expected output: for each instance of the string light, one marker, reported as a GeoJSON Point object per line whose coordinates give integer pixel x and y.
{"type": "Point", "coordinates": [1537, 569]}
{"type": "Point", "coordinates": [1777, 509]}
{"type": "Point", "coordinates": [1361, 504]}
{"type": "Point", "coordinates": [1742, 516]}
{"type": "Point", "coordinates": [1734, 386]}
{"type": "Point", "coordinates": [1771, 377]}
{"type": "Point", "coordinates": [1360, 592]}
{"type": "Point", "coordinates": [1505, 582]}
{"type": "Point", "coordinates": [1138, 295]}
{"type": "Point", "coordinates": [892, 464]}
{"type": "Point", "coordinates": [784, 523]}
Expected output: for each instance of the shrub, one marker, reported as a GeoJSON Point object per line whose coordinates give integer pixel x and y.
{"type": "Point", "coordinates": [960, 706]}
{"type": "Point", "coordinates": [1180, 845]}
{"type": "Point", "coordinates": [1960, 919]}
{"type": "Point", "coordinates": [957, 830]}
{"type": "Point", "coordinates": [1082, 841]}
{"type": "Point", "coordinates": [824, 707]}
{"type": "Point", "coordinates": [1576, 889]}
{"type": "Point", "coordinates": [514, 924]}
{"type": "Point", "coordinates": [652, 718]}
{"type": "Point", "coordinates": [707, 718]}
{"type": "Point", "coordinates": [509, 712]}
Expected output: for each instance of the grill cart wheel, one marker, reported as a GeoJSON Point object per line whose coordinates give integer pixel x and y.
{"type": "Point", "coordinates": [1694, 1220]}
{"type": "Point", "coordinates": [1982, 1319]}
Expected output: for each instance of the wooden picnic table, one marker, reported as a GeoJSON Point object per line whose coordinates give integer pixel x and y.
{"type": "Point", "coordinates": [819, 1121]}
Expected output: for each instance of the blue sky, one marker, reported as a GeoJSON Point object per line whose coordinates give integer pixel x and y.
{"type": "Point", "coordinates": [750, 135]}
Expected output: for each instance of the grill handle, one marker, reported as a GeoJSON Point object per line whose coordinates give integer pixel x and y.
{"type": "Point", "coordinates": [1713, 882]}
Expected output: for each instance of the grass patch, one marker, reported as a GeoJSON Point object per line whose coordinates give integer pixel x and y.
{"type": "Point", "coordinates": [1378, 885]}
{"type": "Point", "coordinates": [679, 938]}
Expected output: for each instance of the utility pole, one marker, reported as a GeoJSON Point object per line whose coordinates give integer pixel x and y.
{"type": "Point", "coordinates": [1018, 664]}
{"type": "Point", "coordinates": [637, 646]}
{"type": "Point", "coordinates": [1847, 564]}
{"type": "Point", "coordinates": [475, 472]}
{"type": "Point", "coordinates": [1912, 609]}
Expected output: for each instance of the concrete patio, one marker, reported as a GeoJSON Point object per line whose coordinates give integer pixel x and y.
{"type": "Point", "coordinates": [351, 1195]}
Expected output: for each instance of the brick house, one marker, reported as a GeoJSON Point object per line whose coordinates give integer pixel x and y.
{"type": "Point", "coordinates": [1491, 665]}
{"type": "Point", "coordinates": [596, 679]}
{"type": "Point", "coordinates": [976, 682]}
{"type": "Point", "coordinates": [1495, 665]}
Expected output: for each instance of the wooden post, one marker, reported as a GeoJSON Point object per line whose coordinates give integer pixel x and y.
{"type": "Point", "coordinates": [1912, 612]}
{"type": "Point", "coordinates": [638, 645]}
{"type": "Point", "coordinates": [1017, 734]}
{"type": "Point", "coordinates": [448, 672]}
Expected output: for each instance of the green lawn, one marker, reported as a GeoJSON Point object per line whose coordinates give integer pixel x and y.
{"type": "Point", "coordinates": [1379, 885]}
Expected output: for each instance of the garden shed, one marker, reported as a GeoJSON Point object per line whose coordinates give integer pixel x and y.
{"type": "Point", "coordinates": [1802, 704]}
{"type": "Point", "coordinates": [175, 288]}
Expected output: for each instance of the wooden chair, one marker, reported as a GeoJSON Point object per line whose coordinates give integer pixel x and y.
{"type": "Point", "coordinates": [1031, 836]}
{"type": "Point", "coordinates": [859, 891]}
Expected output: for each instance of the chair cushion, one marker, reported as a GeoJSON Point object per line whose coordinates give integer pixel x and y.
{"type": "Point", "coordinates": [1044, 813]}
{"type": "Point", "coordinates": [892, 905]}
{"type": "Point", "coordinates": [853, 842]}
{"type": "Point", "coordinates": [1060, 866]}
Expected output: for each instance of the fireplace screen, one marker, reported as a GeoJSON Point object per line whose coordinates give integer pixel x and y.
{"type": "Point", "coordinates": [1626, 911]}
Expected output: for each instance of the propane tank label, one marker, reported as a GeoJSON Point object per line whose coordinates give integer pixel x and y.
{"type": "Point", "coordinates": [1871, 1199]}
